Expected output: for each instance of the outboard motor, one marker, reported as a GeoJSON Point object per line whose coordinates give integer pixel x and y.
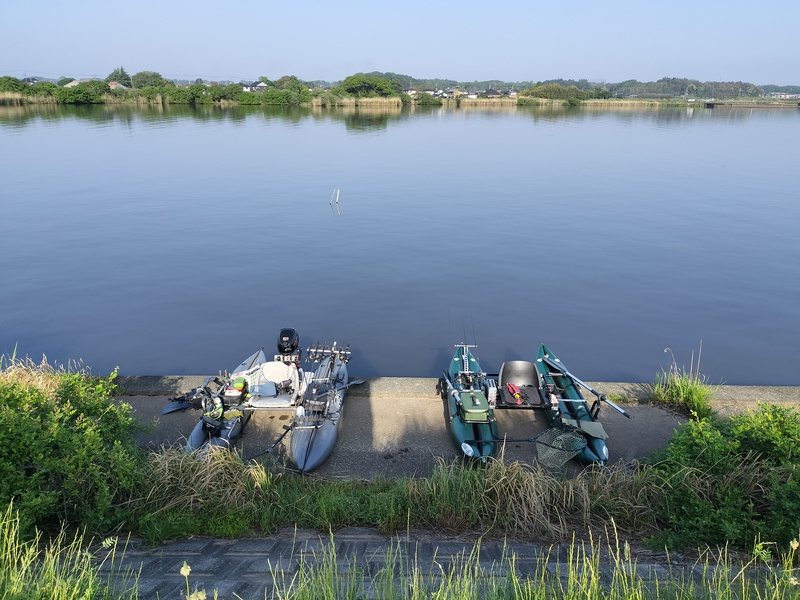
{"type": "Point", "coordinates": [289, 347]}
{"type": "Point", "coordinates": [288, 341]}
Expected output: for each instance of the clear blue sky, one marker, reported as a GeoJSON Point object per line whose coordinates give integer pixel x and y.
{"type": "Point", "coordinates": [466, 40]}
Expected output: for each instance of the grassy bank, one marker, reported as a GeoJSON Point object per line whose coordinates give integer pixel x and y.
{"type": "Point", "coordinates": [72, 462]}
{"type": "Point", "coordinates": [502, 500]}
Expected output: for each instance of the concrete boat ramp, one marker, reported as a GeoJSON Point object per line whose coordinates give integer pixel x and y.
{"type": "Point", "coordinates": [396, 426]}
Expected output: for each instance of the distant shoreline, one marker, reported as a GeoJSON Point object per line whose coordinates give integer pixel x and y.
{"type": "Point", "coordinates": [17, 99]}
{"type": "Point", "coordinates": [624, 102]}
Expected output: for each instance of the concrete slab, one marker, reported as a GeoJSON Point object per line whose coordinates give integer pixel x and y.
{"type": "Point", "coordinates": [396, 426]}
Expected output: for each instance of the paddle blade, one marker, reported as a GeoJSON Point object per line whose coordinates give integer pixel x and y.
{"type": "Point", "coordinates": [178, 405]}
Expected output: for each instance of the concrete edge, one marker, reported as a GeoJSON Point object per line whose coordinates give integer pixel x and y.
{"type": "Point", "coordinates": [726, 396]}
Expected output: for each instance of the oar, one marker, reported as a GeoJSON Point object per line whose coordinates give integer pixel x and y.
{"type": "Point", "coordinates": [560, 368]}
{"type": "Point", "coordinates": [178, 405]}
{"type": "Point", "coordinates": [191, 399]}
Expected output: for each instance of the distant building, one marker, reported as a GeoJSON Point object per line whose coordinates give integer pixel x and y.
{"type": "Point", "coordinates": [256, 86]}
{"type": "Point", "coordinates": [114, 85]}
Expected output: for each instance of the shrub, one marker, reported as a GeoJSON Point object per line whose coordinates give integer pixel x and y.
{"type": "Point", "coordinates": [12, 84]}
{"type": "Point", "coordinates": [69, 453]}
{"type": "Point", "coordinates": [43, 88]}
{"type": "Point", "coordinates": [87, 92]}
{"type": "Point", "coordinates": [179, 95]}
{"type": "Point", "coordinates": [424, 99]}
{"type": "Point", "coordinates": [731, 481]}
{"type": "Point", "coordinates": [249, 98]}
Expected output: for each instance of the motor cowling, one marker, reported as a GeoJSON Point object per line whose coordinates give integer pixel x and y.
{"type": "Point", "coordinates": [288, 341]}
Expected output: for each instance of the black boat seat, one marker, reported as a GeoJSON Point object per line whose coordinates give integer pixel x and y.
{"type": "Point", "coordinates": [521, 373]}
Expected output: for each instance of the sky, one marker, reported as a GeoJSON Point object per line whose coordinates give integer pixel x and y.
{"type": "Point", "coordinates": [467, 40]}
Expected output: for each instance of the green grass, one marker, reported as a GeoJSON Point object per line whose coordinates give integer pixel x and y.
{"type": "Point", "coordinates": [60, 569]}
{"type": "Point", "coordinates": [685, 389]}
{"type": "Point", "coordinates": [500, 498]}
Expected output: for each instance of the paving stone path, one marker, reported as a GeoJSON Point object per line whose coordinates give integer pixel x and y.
{"type": "Point", "coordinates": [263, 567]}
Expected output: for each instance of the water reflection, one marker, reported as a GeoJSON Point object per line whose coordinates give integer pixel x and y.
{"type": "Point", "coordinates": [360, 119]}
{"type": "Point", "coordinates": [173, 237]}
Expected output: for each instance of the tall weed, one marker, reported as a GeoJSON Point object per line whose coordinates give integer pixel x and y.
{"type": "Point", "coordinates": [213, 494]}
{"type": "Point", "coordinates": [685, 390]}
{"type": "Point", "coordinates": [61, 569]}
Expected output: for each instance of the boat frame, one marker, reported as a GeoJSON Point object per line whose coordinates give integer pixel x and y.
{"type": "Point", "coordinates": [546, 384]}
{"type": "Point", "coordinates": [471, 397]}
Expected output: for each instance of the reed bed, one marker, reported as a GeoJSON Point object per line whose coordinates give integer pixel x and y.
{"type": "Point", "coordinates": [330, 100]}
{"type": "Point", "coordinates": [27, 373]}
{"type": "Point", "coordinates": [12, 99]}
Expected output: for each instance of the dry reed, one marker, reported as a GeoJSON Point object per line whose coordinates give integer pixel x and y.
{"type": "Point", "coordinates": [25, 372]}
{"type": "Point", "coordinates": [179, 481]}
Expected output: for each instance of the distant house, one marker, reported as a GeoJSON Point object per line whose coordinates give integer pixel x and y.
{"type": "Point", "coordinates": [490, 93]}
{"type": "Point", "coordinates": [72, 83]}
{"type": "Point", "coordinates": [117, 86]}
{"type": "Point", "coordinates": [256, 86]}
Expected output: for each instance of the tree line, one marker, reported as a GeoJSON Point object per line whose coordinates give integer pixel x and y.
{"type": "Point", "coordinates": [150, 86]}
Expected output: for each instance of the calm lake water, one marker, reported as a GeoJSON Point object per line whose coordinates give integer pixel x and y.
{"type": "Point", "coordinates": [179, 241]}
